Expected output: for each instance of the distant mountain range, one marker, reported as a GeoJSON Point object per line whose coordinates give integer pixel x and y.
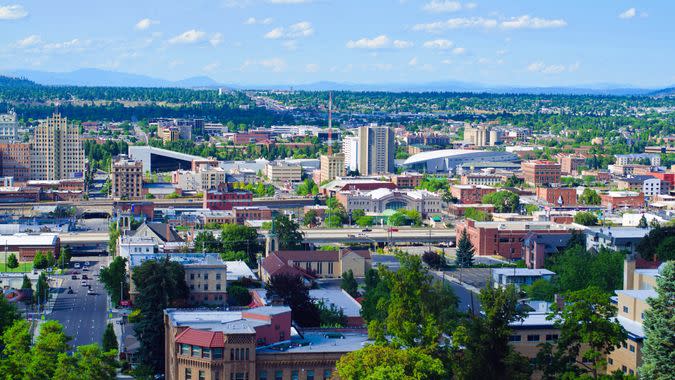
{"type": "Point", "coordinates": [97, 77]}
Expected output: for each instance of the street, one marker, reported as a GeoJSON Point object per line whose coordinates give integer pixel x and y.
{"type": "Point", "coordinates": [83, 316]}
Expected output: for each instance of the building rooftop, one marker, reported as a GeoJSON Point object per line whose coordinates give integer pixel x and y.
{"type": "Point", "coordinates": [638, 294]}
{"type": "Point", "coordinates": [526, 225]}
{"type": "Point", "coordinates": [339, 298]}
{"type": "Point", "coordinates": [632, 328]}
{"type": "Point", "coordinates": [522, 272]}
{"type": "Point", "coordinates": [218, 320]}
{"type": "Point", "coordinates": [23, 239]}
{"type": "Point", "coordinates": [318, 342]}
{"type": "Point", "coordinates": [237, 270]}
{"type": "Point", "coordinates": [185, 259]}
{"type": "Point", "coordinates": [620, 232]}
{"type": "Point", "coordinates": [447, 153]}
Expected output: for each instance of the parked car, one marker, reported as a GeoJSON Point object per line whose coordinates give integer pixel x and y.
{"type": "Point", "coordinates": [85, 277]}
{"type": "Point", "coordinates": [367, 230]}
{"type": "Point", "coordinates": [90, 292]}
{"type": "Point", "coordinates": [73, 277]}
{"type": "Point", "coordinates": [84, 283]}
{"type": "Point", "coordinates": [76, 266]}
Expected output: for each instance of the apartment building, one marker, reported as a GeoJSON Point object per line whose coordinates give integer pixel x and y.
{"type": "Point", "coordinates": [570, 163]}
{"type": "Point", "coordinates": [377, 150]}
{"type": "Point", "coordinates": [332, 166]}
{"type": "Point", "coordinates": [647, 184]}
{"type": "Point", "coordinates": [407, 180]}
{"type": "Point", "coordinates": [244, 213]}
{"type": "Point", "coordinates": [57, 151]}
{"type": "Point", "coordinates": [282, 171]}
{"type": "Point", "coordinates": [15, 160]}
{"type": "Point", "coordinates": [126, 178]}
{"type": "Point", "coordinates": [482, 179]}
{"type": "Point", "coordinates": [622, 199]}
{"type": "Point", "coordinates": [471, 194]}
{"type": "Point", "coordinates": [558, 196]}
{"type": "Point", "coordinates": [541, 173]}
{"type": "Point", "coordinates": [8, 126]}
{"type": "Point", "coordinates": [225, 200]}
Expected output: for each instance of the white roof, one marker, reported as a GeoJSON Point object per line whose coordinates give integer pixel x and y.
{"type": "Point", "coordinates": [339, 298]}
{"type": "Point", "coordinates": [443, 153]}
{"type": "Point", "coordinates": [522, 272]}
{"type": "Point", "coordinates": [237, 270]}
{"type": "Point", "coordinates": [28, 239]}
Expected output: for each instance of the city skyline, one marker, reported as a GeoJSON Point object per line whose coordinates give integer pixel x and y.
{"type": "Point", "coordinates": [378, 42]}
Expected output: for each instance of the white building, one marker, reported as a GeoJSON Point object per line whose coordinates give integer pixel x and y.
{"type": "Point", "coordinates": [8, 126]}
{"type": "Point", "coordinates": [502, 277]}
{"type": "Point", "coordinates": [377, 201]}
{"type": "Point", "coordinates": [446, 161]}
{"type": "Point", "coordinates": [350, 147]}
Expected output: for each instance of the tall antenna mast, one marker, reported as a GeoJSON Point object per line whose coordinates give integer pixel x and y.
{"type": "Point", "coordinates": [330, 123]}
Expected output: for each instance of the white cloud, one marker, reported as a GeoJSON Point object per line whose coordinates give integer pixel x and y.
{"type": "Point", "coordinates": [458, 51]}
{"type": "Point", "coordinates": [290, 45]}
{"type": "Point", "coordinates": [527, 22]}
{"type": "Point", "coordinates": [439, 6]}
{"type": "Point", "coordinates": [274, 64]}
{"type": "Point", "coordinates": [401, 44]}
{"type": "Point", "coordinates": [189, 37]}
{"type": "Point", "coordinates": [413, 61]}
{"type": "Point", "coordinates": [438, 44]}
{"type": "Point", "coordinates": [541, 67]}
{"type": "Point", "coordinates": [254, 21]}
{"type": "Point", "coordinates": [298, 30]}
{"type": "Point", "coordinates": [211, 67]}
{"type": "Point", "coordinates": [456, 23]}
{"type": "Point", "coordinates": [470, 5]}
{"type": "Point", "coordinates": [12, 12]}
{"type": "Point", "coordinates": [145, 24]}
{"type": "Point", "coordinates": [311, 67]}
{"type": "Point", "coordinates": [379, 42]}
{"type": "Point", "coordinates": [29, 41]}
{"type": "Point", "coordinates": [216, 39]}
{"type": "Point", "coordinates": [628, 13]}
{"type": "Point", "coordinates": [447, 62]}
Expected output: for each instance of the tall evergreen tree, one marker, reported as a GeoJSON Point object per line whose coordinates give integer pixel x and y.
{"type": "Point", "coordinates": [658, 352]}
{"type": "Point", "coordinates": [465, 251]}
{"type": "Point", "coordinates": [349, 283]}
{"type": "Point", "coordinates": [109, 338]}
{"type": "Point", "coordinates": [643, 222]}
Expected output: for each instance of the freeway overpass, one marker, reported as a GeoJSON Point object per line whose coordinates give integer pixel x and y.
{"type": "Point", "coordinates": [85, 243]}
{"type": "Point", "coordinates": [379, 235]}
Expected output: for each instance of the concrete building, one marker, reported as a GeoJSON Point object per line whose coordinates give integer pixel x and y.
{"type": "Point", "coordinates": [350, 148]}
{"type": "Point", "coordinates": [478, 135]}
{"type": "Point", "coordinates": [541, 173]}
{"type": "Point", "coordinates": [332, 166]}
{"type": "Point", "coordinates": [127, 178]}
{"type": "Point", "coordinates": [168, 134]}
{"type": "Point", "coordinates": [502, 277]}
{"type": "Point", "coordinates": [15, 160]}
{"type": "Point", "coordinates": [622, 199]}
{"type": "Point", "coordinates": [447, 161]}
{"type": "Point", "coordinates": [506, 238]}
{"type": "Point", "coordinates": [425, 202]}
{"type": "Point", "coordinates": [377, 150]}
{"type": "Point", "coordinates": [57, 151]}
{"type": "Point", "coordinates": [202, 177]}
{"type": "Point", "coordinates": [570, 163]}
{"type": "Point", "coordinates": [647, 184]}
{"type": "Point", "coordinates": [8, 126]}
{"type": "Point", "coordinates": [558, 196]}
{"type": "Point", "coordinates": [316, 264]}
{"type": "Point", "coordinates": [638, 158]}
{"type": "Point", "coordinates": [483, 179]}
{"type": "Point", "coordinates": [257, 343]}
{"type": "Point", "coordinates": [614, 238]}
{"type": "Point", "coordinates": [471, 194]}
{"type": "Point", "coordinates": [355, 183]}
{"type": "Point", "coordinates": [282, 171]}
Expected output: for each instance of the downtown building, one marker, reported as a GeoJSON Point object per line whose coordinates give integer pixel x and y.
{"type": "Point", "coordinates": [127, 178]}
{"type": "Point", "coordinates": [8, 126]}
{"type": "Point", "coordinates": [57, 151]}
{"type": "Point", "coordinates": [376, 150]}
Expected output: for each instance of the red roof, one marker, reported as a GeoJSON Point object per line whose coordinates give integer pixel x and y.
{"type": "Point", "coordinates": [201, 338]}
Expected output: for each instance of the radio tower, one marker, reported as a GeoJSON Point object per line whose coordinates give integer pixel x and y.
{"type": "Point", "coordinates": [330, 123]}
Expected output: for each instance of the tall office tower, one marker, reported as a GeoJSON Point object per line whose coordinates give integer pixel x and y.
{"type": "Point", "coordinates": [8, 126]}
{"type": "Point", "coordinates": [57, 151]}
{"type": "Point", "coordinates": [198, 127]}
{"type": "Point", "coordinates": [126, 178]}
{"type": "Point", "coordinates": [332, 166]}
{"type": "Point", "coordinates": [376, 150]}
{"type": "Point", "coordinates": [350, 148]}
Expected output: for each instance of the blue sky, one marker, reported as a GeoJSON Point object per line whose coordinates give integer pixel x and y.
{"type": "Point", "coordinates": [523, 42]}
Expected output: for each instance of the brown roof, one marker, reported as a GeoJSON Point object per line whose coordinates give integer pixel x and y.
{"type": "Point", "coordinates": [201, 338]}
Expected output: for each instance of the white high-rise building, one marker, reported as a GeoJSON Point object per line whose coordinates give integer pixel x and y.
{"type": "Point", "coordinates": [57, 151]}
{"type": "Point", "coordinates": [8, 126]}
{"type": "Point", "coordinates": [350, 147]}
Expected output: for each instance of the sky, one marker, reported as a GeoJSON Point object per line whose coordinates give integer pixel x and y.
{"type": "Point", "coordinates": [522, 43]}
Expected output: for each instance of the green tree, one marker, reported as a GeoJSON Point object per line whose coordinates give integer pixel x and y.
{"type": "Point", "coordinates": [349, 284]}
{"type": "Point", "coordinates": [8, 314]}
{"type": "Point", "coordinates": [288, 232]}
{"type": "Point", "coordinates": [41, 293]}
{"type": "Point", "coordinates": [358, 213]}
{"type": "Point", "coordinates": [647, 247]}
{"type": "Point", "coordinates": [309, 219]}
{"type": "Point", "coordinates": [330, 315]}
{"type": "Point", "coordinates": [206, 242]}
{"type": "Point", "coordinates": [291, 290]}
{"type": "Point", "coordinates": [385, 362]}
{"type": "Point", "coordinates": [586, 218]}
{"type": "Point", "coordinates": [433, 259]}
{"type": "Point", "coordinates": [109, 338]}
{"type": "Point", "coordinates": [240, 238]}
{"type": "Point", "coordinates": [588, 331]}
{"type": "Point", "coordinates": [643, 222]}
{"type": "Point", "coordinates": [26, 284]}
{"type": "Point", "coordinates": [503, 201]}
{"type": "Point", "coordinates": [477, 215]}
{"type": "Point", "coordinates": [50, 342]}
{"type": "Point", "coordinates": [541, 290]}
{"type": "Point", "coordinates": [64, 257]}
{"type": "Point", "coordinates": [398, 219]}
{"type": "Point", "coordinates": [365, 221]}
{"type": "Point", "coordinates": [589, 197]}
{"type": "Point", "coordinates": [658, 361]}
{"type": "Point", "coordinates": [160, 284]}
{"type": "Point", "coordinates": [114, 278]}
{"type": "Point", "coordinates": [238, 295]}
{"type": "Point", "coordinates": [88, 362]}
{"type": "Point", "coordinates": [114, 234]}
{"type": "Point", "coordinates": [666, 249]}
{"type": "Point", "coordinates": [487, 353]}
{"type": "Point", "coordinates": [12, 261]}
{"type": "Point", "coordinates": [16, 343]}
{"type": "Point", "coordinates": [465, 251]}
{"type": "Point", "coordinates": [333, 221]}
{"type": "Point", "coordinates": [578, 269]}
{"type": "Point", "coordinates": [40, 261]}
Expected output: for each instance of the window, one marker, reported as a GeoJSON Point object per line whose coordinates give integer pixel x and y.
{"type": "Point", "coordinates": [632, 348]}
{"type": "Point", "coordinates": [206, 353]}
{"type": "Point", "coordinates": [310, 374]}
{"type": "Point", "coordinates": [610, 361]}
{"type": "Point", "coordinates": [247, 354]}
{"type": "Point", "coordinates": [326, 374]}
{"type": "Point", "coordinates": [625, 309]}
{"type": "Point", "coordinates": [623, 368]}
{"type": "Point", "coordinates": [217, 353]}
{"type": "Point", "coordinates": [551, 337]}
{"type": "Point", "coordinates": [206, 286]}
{"type": "Point", "coordinates": [188, 373]}
{"type": "Point", "coordinates": [202, 375]}
{"type": "Point", "coordinates": [294, 374]}
{"type": "Point", "coordinates": [624, 345]}
{"type": "Point", "coordinates": [232, 354]}
{"type": "Point", "coordinates": [279, 375]}
{"type": "Point", "coordinates": [262, 375]}
{"type": "Point", "coordinates": [197, 351]}
{"type": "Point", "coordinates": [185, 349]}
{"type": "Point", "coordinates": [533, 338]}
{"type": "Point", "coordinates": [631, 372]}
{"type": "Point", "coordinates": [319, 267]}
{"type": "Point", "coordinates": [514, 338]}
{"type": "Point", "coordinates": [217, 276]}
{"type": "Point", "coordinates": [192, 276]}
{"type": "Point", "coordinates": [206, 276]}
{"type": "Point", "coordinates": [217, 286]}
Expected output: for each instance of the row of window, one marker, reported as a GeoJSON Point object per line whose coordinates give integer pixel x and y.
{"type": "Point", "coordinates": [533, 338]}
{"type": "Point", "coordinates": [201, 352]}
{"type": "Point", "coordinates": [295, 375]}
{"type": "Point", "coordinates": [204, 287]}
{"type": "Point", "coordinates": [206, 276]}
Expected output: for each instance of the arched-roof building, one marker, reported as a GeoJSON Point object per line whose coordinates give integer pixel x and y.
{"type": "Point", "coordinates": [446, 160]}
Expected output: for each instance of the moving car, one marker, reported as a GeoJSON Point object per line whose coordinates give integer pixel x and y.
{"type": "Point", "coordinates": [84, 283]}
{"type": "Point", "coordinates": [85, 277]}
{"type": "Point", "coordinates": [90, 292]}
{"type": "Point", "coordinates": [73, 277]}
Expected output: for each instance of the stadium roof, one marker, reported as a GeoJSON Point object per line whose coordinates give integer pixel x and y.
{"type": "Point", "coordinates": [444, 153]}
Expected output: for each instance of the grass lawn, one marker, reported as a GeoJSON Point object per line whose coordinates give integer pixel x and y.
{"type": "Point", "coordinates": [24, 267]}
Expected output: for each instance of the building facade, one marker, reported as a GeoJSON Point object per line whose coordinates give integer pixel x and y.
{"type": "Point", "coordinates": [332, 166]}
{"type": "Point", "coordinates": [8, 126]}
{"type": "Point", "coordinates": [377, 150]}
{"type": "Point", "coordinates": [471, 194]}
{"type": "Point", "coordinates": [282, 171]}
{"type": "Point", "coordinates": [558, 196]}
{"type": "Point", "coordinates": [127, 178]}
{"type": "Point", "coordinates": [57, 151]}
{"type": "Point", "coordinates": [423, 201]}
{"type": "Point", "coordinates": [15, 161]}
{"type": "Point", "coordinates": [541, 173]}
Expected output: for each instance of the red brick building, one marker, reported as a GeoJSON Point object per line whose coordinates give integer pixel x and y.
{"type": "Point", "coordinates": [15, 161]}
{"type": "Point", "coordinates": [541, 173]}
{"type": "Point", "coordinates": [407, 180]}
{"type": "Point", "coordinates": [26, 245]}
{"type": "Point", "coordinates": [570, 163]}
{"type": "Point", "coordinates": [470, 194]}
{"type": "Point", "coordinates": [558, 196]}
{"type": "Point", "coordinates": [226, 200]}
{"type": "Point", "coordinates": [244, 213]}
{"type": "Point", "coordinates": [505, 239]}
{"type": "Point", "coordinates": [619, 199]}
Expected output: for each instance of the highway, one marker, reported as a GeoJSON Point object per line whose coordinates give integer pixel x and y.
{"type": "Point", "coordinates": [82, 315]}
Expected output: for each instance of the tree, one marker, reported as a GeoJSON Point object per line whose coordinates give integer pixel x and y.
{"type": "Point", "coordinates": [333, 221]}
{"type": "Point", "coordinates": [109, 338]}
{"type": "Point", "coordinates": [541, 290]}
{"type": "Point", "coordinates": [291, 290]}
{"type": "Point", "coordinates": [309, 219]}
{"type": "Point", "coordinates": [349, 283]}
{"type": "Point", "coordinates": [26, 284]}
{"type": "Point", "coordinates": [465, 251]}
{"type": "Point", "coordinates": [330, 315]}
{"type": "Point", "coordinates": [288, 232]}
{"type": "Point", "coordinates": [8, 314]}
{"type": "Point", "coordinates": [114, 233]}
{"type": "Point", "coordinates": [365, 221]}
{"type": "Point", "coordinates": [16, 342]}
{"type": "Point", "coordinates": [385, 362]}
{"type": "Point", "coordinates": [41, 294]}
{"type": "Point", "coordinates": [160, 284]}
{"type": "Point", "coordinates": [50, 342]}
{"type": "Point", "coordinates": [589, 197]}
{"type": "Point", "coordinates": [578, 269]}
{"type": "Point", "coordinates": [477, 215]}
{"type": "Point", "coordinates": [206, 242]}
{"type": "Point", "coordinates": [12, 262]}
{"type": "Point", "coordinates": [659, 325]}
{"type": "Point", "coordinates": [588, 331]}
{"type": "Point", "coordinates": [240, 238]}
{"type": "Point", "coordinates": [238, 295]}
{"type": "Point", "coordinates": [64, 257]}
{"type": "Point", "coordinates": [88, 362]}
{"type": "Point", "coordinates": [648, 246]}
{"type": "Point", "coordinates": [643, 222]}
{"type": "Point", "coordinates": [665, 251]}
{"type": "Point", "coordinates": [358, 213]}
{"type": "Point", "coordinates": [433, 259]}
{"type": "Point", "coordinates": [503, 201]}
{"type": "Point", "coordinates": [40, 260]}
{"type": "Point", "coordinates": [114, 278]}
{"type": "Point", "coordinates": [586, 218]}
{"type": "Point", "coordinates": [654, 223]}
{"type": "Point", "coordinates": [487, 353]}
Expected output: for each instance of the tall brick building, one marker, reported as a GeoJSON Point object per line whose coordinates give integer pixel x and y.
{"type": "Point", "coordinates": [15, 161]}
{"type": "Point", "coordinates": [541, 173]}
